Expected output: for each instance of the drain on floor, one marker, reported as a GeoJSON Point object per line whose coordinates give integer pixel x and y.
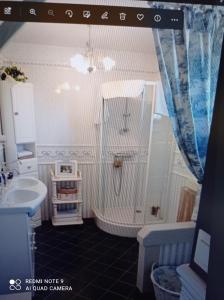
{"type": "Point", "coordinates": [138, 211]}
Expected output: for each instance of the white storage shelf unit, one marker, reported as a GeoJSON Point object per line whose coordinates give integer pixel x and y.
{"type": "Point", "coordinates": [66, 200]}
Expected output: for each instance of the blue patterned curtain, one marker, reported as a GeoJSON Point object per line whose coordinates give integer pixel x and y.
{"type": "Point", "coordinates": [189, 63]}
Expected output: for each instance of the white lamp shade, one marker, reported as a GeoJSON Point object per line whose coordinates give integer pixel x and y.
{"type": "Point", "coordinates": [80, 63]}
{"type": "Point", "coordinates": [108, 63]}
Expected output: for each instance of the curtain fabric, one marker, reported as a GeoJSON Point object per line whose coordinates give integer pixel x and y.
{"type": "Point", "coordinates": [189, 63]}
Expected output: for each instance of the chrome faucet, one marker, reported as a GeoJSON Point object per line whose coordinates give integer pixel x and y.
{"type": "Point", "coordinates": [14, 171]}
{"type": "Point", "coordinates": [2, 183]}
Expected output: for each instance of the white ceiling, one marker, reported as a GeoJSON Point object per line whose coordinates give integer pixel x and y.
{"type": "Point", "coordinates": [102, 37]}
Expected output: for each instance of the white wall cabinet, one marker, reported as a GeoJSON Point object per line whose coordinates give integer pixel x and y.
{"type": "Point", "coordinates": [23, 110]}
{"type": "Point", "coordinates": [18, 125]}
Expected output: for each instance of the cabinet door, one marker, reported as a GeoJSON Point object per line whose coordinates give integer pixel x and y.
{"type": "Point", "coordinates": [23, 110]}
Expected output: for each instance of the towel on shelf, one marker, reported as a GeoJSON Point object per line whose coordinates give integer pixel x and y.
{"type": "Point", "coordinates": [24, 153]}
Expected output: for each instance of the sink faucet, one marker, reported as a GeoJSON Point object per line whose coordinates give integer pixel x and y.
{"type": "Point", "coordinates": [7, 175]}
{"type": "Point", "coordinates": [2, 183]}
{"type": "Point", "coordinates": [3, 178]}
{"type": "Point", "coordinates": [14, 172]}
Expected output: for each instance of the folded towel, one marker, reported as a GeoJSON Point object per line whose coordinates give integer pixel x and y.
{"type": "Point", "coordinates": [24, 153]}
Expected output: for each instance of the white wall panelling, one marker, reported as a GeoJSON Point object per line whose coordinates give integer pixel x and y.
{"type": "Point", "coordinates": [180, 176]}
{"type": "Point", "coordinates": [65, 121]}
{"type": "Point", "coordinates": [68, 117]}
{"type": "Point", "coordinates": [86, 156]}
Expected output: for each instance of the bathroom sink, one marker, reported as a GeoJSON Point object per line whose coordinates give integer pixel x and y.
{"type": "Point", "coordinates": [21, 196]}
{"type": "Point", "coordinates": [25, 182]}
{"type": "Point", "coordinates": [24, 195]}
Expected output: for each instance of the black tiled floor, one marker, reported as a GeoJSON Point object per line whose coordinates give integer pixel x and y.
{"type": "Point", "coordinates": [97, 265]}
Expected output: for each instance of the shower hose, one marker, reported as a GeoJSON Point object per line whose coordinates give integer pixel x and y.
{"type": "Point", "coordinates": [117, 188]}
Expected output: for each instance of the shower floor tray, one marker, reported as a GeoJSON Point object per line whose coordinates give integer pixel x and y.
{"type": "Point", "coordinates": [121, 221]}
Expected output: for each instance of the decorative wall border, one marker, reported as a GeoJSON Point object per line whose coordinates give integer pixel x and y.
{"type": "Point", "coordinates": [88, 153]}
{"type": "Point", "coordinates": [51, 153]}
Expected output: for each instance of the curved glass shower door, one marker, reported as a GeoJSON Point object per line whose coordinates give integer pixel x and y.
{"type": "Point", "coordinates": [124, 157]}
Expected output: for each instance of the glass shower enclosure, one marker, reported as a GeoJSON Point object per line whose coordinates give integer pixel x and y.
{"type": "Point", "coordinates": [130, 190]}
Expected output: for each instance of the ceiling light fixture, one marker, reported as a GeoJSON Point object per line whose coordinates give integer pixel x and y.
{"type": "Point", "coordinates": [87, 63]}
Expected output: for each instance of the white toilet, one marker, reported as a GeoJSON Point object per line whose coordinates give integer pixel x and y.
{"type": "Point", "coordinates": [193, 287]}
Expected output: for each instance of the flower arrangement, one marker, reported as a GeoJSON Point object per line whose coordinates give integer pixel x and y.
{"type": "Point", "coordinates": [12, 72]}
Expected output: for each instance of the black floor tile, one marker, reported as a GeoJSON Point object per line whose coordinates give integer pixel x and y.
{"type": "Point", "coordinates": [131, 254]}
{"type": "Point", "coordinates": [92, 292]}
{"type": "Point", "coordinates": [122, 264]}
{"type": "Point", "coordinates": [68, 256]}
{"type": "Point", "coordinates": [133, 268]}
{"type": "Point", "coordinates": [43, 259]}
{"type": "Point", "coordinates": [103, 282]}
{"type": "Point", "coordinates": [92, 254]}
{"type": "Point", "coordinates": [87, 244]}
{"type": "Point", "coordinates": [43, 248]}
{"type": "Point", "coordinates": [97, 267]}
{"type": "Point", "coordinates": [113, 272]}
{"type": "Point", "coordinates": [53, 241]}
{"type": "Point", "coordinates": [129, 278]}
{"type": "Point", "coordinates": [59, 264]}
{"type": "Point", "coordinates": [95, 264]}
{"type": "Point", "coordinates": [87, 275]}
{"type": "Point", "coordinates": [136, 295]}
{"type": "Point", "coordinates": [67, 246]}
{"type": "Point", "coordinates": [78, 297]}
{"type": "Point", "coordinates": [106, 259]}
{"type": "Point", "coordinates": [107, 242]}
{"type": "Point", "coordinates": [44, 273]}
{"type": "Point", "coordinates": [100, 247]}
{"type": "Point", "coordinates": [81, 261]}
{"type": "Point", "coordinates": [71, 270]}
{"type": "Point", "coordinates": [66, 295]}
{"type": "Point", "coordinates": [122, 289]}
{"type": "Point", "coordinates": [112, 296]}
{"type": "Point", "coordinates": [41, 295]}
{"type": "Point", "coordinates": [116, 253]}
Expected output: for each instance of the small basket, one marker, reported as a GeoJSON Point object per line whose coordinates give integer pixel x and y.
{"type": "Point", "coordinates": [166, 290]}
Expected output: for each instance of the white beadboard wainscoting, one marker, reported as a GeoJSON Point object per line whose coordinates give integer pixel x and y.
{"type": "Point", "coordinates": [180, 177]}
{"type": "Point", "coordinates": [86, 157]}
{"type": "Point", "coordinates": [178, 181]}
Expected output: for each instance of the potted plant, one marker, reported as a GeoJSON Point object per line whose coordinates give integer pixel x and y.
{"type": "Point", "coordinates": [12, 72]}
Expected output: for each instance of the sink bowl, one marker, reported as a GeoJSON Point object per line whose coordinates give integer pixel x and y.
{"type": "Point", "coordinates": [26, 182]}
{"type": "Point", "coordinates": [21, 196]}
{"type": "Point", "coordinates": [24, 195]}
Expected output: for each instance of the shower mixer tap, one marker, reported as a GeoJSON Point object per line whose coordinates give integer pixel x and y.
{"type": "Point", "coordinates": [118, 163]}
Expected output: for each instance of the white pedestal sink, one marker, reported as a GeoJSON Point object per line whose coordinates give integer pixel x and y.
{"type": "Point", "coordinates": [25, 194]}
{"type": "Point", "coordinates": [21, 196]}
{"type": "Point", "coordinates": [25, 182]}
{"type": "Point", "coordinates": [18, 203]}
